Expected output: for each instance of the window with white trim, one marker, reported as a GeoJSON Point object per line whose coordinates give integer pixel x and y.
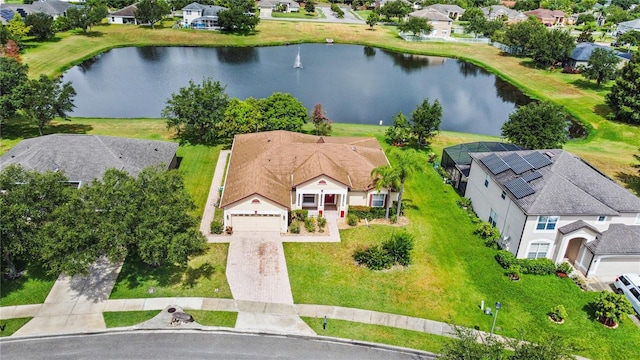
{"type": "Point", "coordinates": [486, 180]}
{"type": "Point", "coordinates": [538, 250]}
{"type": "Point", "coordinates": [493, 217]}
{"type": "Point", "coordinates": [308, 199]}
{"type": "Point", "coordinates": [377, 200]}
{"type": "Point", "coordinates": [503, 195]}
{"type": "Point", "coordinates": [547, 223]}
{"type": "Point", "coordinates": [187, 12]}
{"type": "Point", "coordinates": [601, 219]}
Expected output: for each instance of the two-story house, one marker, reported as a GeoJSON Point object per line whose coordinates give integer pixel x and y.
{"type": "Point", "coordinates": [552, 204]}
{"type": "Point", "coordinates": [198, 16]}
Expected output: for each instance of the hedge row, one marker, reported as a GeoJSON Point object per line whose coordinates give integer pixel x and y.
{"type": "Point", "coordinates": [370, 213]}
{"type": "Point", "coordinates": [534, 267]}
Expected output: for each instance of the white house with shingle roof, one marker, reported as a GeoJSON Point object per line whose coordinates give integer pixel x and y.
{"type": "Point", "coordinates": [552, 204]}
{"type": "Point", "coordinates": [84, 158]}
{"type": "Point", "coordinates": [126, 15]}
{"type": "Point", "coordinates": [198, 16]}
{"type": "Point", "coordinates": [271, 173]}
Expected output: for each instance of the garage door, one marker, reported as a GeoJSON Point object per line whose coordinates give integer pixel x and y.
{"type": "Point", "coordinates": [619, 265]}
{"type": "Point", "coordinates": [256, 222]}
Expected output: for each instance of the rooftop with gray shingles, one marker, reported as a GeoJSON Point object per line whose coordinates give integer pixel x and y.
{"type": "Point", "coordinates": [618, 239]}
{"type": "Point", "coordinates": [87, 157]}
{"type": "Point", "coordinates": [568, 186]}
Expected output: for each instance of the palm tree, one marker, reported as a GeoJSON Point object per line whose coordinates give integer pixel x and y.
{"type": "Point", "coordinates": [385, 177]}
{"type": "Point", "coordinates": [405, 162]}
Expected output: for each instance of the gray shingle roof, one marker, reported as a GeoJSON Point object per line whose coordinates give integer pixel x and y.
{"type": "Point", "coordinates": [583, 51]}
{"type": "Point", "coordinates": [129, 11]}
{"type": "Point", "coordinates": [86, 157]}
{"type": "Point", "coordinates": [576, 225]}
{"type": "Point", "coordinates": [619, 239]}
{"type": "Point", "coordinates": [569, 186]}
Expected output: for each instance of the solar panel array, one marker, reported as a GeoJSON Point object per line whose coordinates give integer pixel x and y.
{"type": "Point", "coordinates": [7, 14]}
{"type": "Point", "coordinates": [519, 188]}
{"type": "Point", "coordinates": [517, 163]}
{"type": "Point", "coordinates": [495, 164]}
{"type": "Point", "coordinates": [537, 160]}
{"type": "Point", "coordinates": [531, 176]}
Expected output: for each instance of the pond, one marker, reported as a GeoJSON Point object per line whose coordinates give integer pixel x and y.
{"type": "Point", "coordinates": [355, 84]}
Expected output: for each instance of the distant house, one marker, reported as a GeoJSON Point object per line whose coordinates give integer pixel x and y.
{"type": "Point", "coordinates": [582, 53]}
{"type": "Point", "coordinates": [625, 26]}
{"type": "Point", "coordinates": [271, 173]}
{"type": "Point", "coordinates": [54, 8]}
{"type": "Point", "coordinates": [441, 23]}
{"type": "Point", "coordinates": [125, 15]}
{"type": "Point", "coordinates": [197, 16]}
{"type": "Point", "coordinates": [552, 204]}
{"type": "Point", "coordinates": [502, 12]}
{"type": "Point", "coordinates": [452, 11]}
{"type": "Point", "coordinates": [279, 5]}
{"type": "Point", "coordinates": [87, 157]}
{"type": "Point", "coordinates": [548, 17]}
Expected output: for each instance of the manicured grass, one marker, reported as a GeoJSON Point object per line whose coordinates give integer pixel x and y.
{"type": "Point", "coordinates": [303, 14]}
{"type": "Point", "coordinates": [10, 326]}
{"type": "Point", "coordinates": [378, 334]}
{"type": "Point", "coordinates": [31, 288]}
{"type": "Point", "coordinates": [214, 318]}
{"type": "Point", "coordinates": [204, 276]}
{"type": "Point", "coordinates": [127, 318]}
{"type": "Point", "coordinates": [452, 273]}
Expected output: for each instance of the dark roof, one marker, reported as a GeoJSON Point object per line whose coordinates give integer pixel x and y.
{"type": "Point", "coordinates": [460, 153]}
{"type": "Point", "coordinates": [207, 10]}
{"type": "Point", "coordinates": [567, 186]}
{"type": "Point", "coordinates": [583, 51]}
{"type": "Point", "coordinates": [51, 7]}
{"type": "Point", "coordinates": [129, 11]}
{"type": "Point", "coordinates": [619, 239]}
{"type": "Point", "coordinates": [576, 225]}
{"type": "Point", "coordinates": [86, 157]}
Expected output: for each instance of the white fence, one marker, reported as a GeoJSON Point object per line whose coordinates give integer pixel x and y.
{"type": "Point", "coordinates": [423, 37]}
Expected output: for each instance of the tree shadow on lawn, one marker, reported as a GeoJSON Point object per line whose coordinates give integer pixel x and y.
{"type": "Point", "coordinates": [602, 110]}
{"type": "Point", "coordinates": [631, 181]}
{"type": "Point", "coordinates": [193, 275]}
{"type": "Point", "coordinates": [588, 85]}
{"type": "Point", "coordinates": [137, 273]}
{"type": "Point", "coordinates": [8, 286]}
{"type": "Point", "coordinates": [23, 129]}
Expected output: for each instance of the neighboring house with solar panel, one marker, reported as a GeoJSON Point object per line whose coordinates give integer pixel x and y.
{"type": "Point", "coordinates": [552, 204]}
{"type": "Point", "coordinates": [54, 8]}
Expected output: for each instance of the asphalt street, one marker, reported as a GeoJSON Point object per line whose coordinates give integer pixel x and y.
{"type": "Point", "coordinates": [187, 344]}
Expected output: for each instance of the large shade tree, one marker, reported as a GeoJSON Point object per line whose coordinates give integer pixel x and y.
{"type": "Point", "coordinates": [197, 111]}
{"type": "Point", "coordinates": [282, 111]}
{"type": "Point", "coordinates": [415, 25]}
{"type": "Point", "coordinates": [426, 119]}
{"type": "Point", "coordinates": [28, 201]}
{"type": "Point", "coordinates": [151, 11]}
{"type": "Point", "coordinates": [602, 66]}
{"type": "Point", "coordinates": [624, 98]}
{"type": "Point", "coordinates": [88, 15]}
{"type": "Point", "coordinates": [538, 125]}
{"type": "Point", "coordinates": [13, 74]}
{"type": "Point", "coordinates": [44, 99]}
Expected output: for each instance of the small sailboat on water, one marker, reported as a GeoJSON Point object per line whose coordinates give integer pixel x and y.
{"type": "Point", "coordinates": [298, 64]}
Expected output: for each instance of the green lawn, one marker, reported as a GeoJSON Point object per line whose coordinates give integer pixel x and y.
{"type": "Point", "coordinates": [377, 334]}
{"type": "Point", "coordinates": [204, 276]}
{"type": "Point", "coordinates": [452, 273]}
{"type": "Point", "coordinates": [31, 288]}
{"type": "Point", "coordinates": [10, 326]}
{"type": "Point", "coordinates": [127, 318]}
{"type": "Point", "coordinates": [208, 318]}
{"type": "Point", "coordinates": [214, 318]}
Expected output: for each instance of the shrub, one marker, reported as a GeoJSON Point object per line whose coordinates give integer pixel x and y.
{"type": "Point", "coordinates": [373, 257]}
{"type": "Point", "coordinates": [393, 219]}
{"type": "Point", "coordinates": [558, 313]}
{"type": "Point", "coordinates": [610, 307]}
{"type": "Point", "coordinates": [538, 266]}
{"type": "Point", "coordinates": [294, 228]}
{"type": "Point", "coordinates": [216, 227]}
{"type": "Point", "coordinates": [464, 203]}
{"type": "Point", "coordinates": [564, 268]}
{"type": "Point", "coordinates": [362, 212]}
{"type": "Point", "coordinates": [310, 224]}
{"type": "Point", "coordinates": [514, 271]}
{"type": "Point", "coordinates": [299, 215]}
{"type": "Point", "coordinates": [487, 231]}
{"type": "Point", "coordinates": [399, 247]}
{"type": "Point", "coordinates": [322, 222]}
{"type": "Point", "coordinates": [352, 219]}
{"type": "Point", "coordinates": [505, 258]}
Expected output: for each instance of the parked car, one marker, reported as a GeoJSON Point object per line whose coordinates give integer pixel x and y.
{"type": "Point", "coordinates": [629, 285]}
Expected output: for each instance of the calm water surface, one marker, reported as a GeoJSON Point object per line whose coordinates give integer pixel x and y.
{"type": "Point", "coordinates": [355, 84]}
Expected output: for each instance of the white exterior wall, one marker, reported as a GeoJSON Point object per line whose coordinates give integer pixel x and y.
{"type": "Point", "coordinates": [358, 198]}
{"type": "Point", "coordinates": [264, 206]}
{"type": "Point", "coordinates": [115, 20]}
{"type": "Point", "coordinates": [190, 15]}
{"type": "Point", "coordinates": [510, 220]}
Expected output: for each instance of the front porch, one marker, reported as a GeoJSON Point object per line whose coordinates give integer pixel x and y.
{"type": "Point", "coordinates": [321, 204]}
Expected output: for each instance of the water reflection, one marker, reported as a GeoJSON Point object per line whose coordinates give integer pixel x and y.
{"type": "Point", "coordinates": [355, 84]}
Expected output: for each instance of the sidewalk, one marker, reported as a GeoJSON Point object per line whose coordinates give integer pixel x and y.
{"type": "Point", "coordinates": [214, 194]}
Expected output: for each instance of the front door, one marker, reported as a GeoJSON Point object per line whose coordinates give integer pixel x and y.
{"type": "Point", "coordinates": [330, 199]}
